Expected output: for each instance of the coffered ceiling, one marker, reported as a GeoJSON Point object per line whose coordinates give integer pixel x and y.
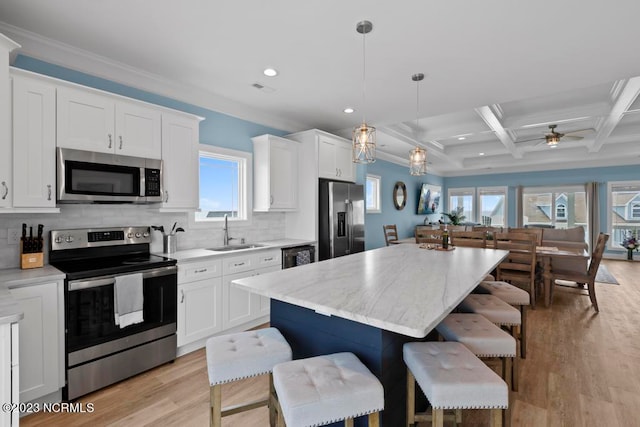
{"type": "Point", "coordinates": [497, 72]}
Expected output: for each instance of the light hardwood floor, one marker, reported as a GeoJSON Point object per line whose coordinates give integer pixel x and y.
{"type": "Point", "coordinates": [582, 369]}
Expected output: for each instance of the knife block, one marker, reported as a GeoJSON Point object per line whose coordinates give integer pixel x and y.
{"type": "Point", "coordinates": [31, 260]}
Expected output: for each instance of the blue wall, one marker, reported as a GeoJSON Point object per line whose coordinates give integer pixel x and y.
{"type": "Point", "coordinates": [217, 128]}
{"type": "Point", "coordinates": [406, 219]}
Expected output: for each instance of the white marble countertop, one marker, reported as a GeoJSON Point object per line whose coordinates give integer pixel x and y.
{"type": "Point", "coordinates": [199, 254]}
{"type": "Point", "coordinates": [14, 277]}
{"type": "Point", "coordinates": [400, 288]}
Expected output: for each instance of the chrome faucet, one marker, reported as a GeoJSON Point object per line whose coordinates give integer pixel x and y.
{"type": "Point", "coordinates": [226, 237]}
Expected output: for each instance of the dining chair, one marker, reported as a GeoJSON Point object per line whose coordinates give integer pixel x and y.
{"type": "Point", "coordinates": [519, 268]}
{"type": "Point", "coordinates": [469, 239]}
{"type": "Point", "coordinates": [531, 230]}
{"type": "Point", "coordinates": [588, 276]}
{"type": "Point", "coordinates": [452, 227]}
{"type": "Point", "coordinates": [390, 233]}
{"type": "Point", "coordinates": [428, 235]}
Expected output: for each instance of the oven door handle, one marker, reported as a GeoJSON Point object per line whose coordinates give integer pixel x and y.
{"type": "Point", "coordinates": [76, 285]}
{"type": "Point", "coordinates": [88, 284]}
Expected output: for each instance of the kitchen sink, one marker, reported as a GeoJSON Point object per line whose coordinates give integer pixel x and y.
{"type": "Point", "coordinates": [234, 247]}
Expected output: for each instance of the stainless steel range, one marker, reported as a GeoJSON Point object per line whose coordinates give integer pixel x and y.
{"type": "Point", "coordinates": [120, 305]}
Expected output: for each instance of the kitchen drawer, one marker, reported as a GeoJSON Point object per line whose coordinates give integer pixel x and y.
{"type": "Point", "coordinates": [269, 258]}
{"type": "Point", "coordinates": [238, 264]}
{"type": "Point", "coordinates": [193, 271]}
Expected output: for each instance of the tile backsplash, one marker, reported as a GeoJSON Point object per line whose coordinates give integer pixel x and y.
{"type": "Point", "coordinates": [263, 226]}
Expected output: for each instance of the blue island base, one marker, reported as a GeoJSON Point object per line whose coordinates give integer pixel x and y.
{"type": "Point", "coordinates": [312, 334]}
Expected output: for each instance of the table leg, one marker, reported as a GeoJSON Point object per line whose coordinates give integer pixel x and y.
{"type": "Point", "coordinates": [548, 280]}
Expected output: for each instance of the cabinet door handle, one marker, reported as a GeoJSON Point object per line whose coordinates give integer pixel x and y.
{"type": "Point", "coordinates": [181, 296]}
{"type": "Point", "coordinates": [337, 172]}
{"type": "Point", "coordinates": [6, 190]}
{"type": "Point", "coordinates": [166, 196]}
{"type": "Point", "coordinates": [239, 264]}
{"type": "Point", "coordinates": [268, 259]}
{"type": "Point", "coordinates": [110, 141]}
{"type": "Point", "coordinates": [204, 270]}
{"type": "Point", "coordinates": [49, 191]}
{"type": "Point", "coordinates": [120, 142]}
{"type": "Point", "coordinates": [271, 200]}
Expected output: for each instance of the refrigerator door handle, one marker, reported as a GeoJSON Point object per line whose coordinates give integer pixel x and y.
{"type": "Point", "coordinates": [349, 225]}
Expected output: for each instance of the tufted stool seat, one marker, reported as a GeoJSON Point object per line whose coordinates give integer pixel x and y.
{"type": "Point", "coordinates": [322, 390]}
{"type": "Point", "coordinates": [451, 377]}
{"type": "Point", "coordinates": [512, 295]}
{"type": "Point", "coordinates": [242, 355]}
{"type": "Point", "coordinates": [497, 312]}
{"type": "Point", "coordinates": [483, 338]}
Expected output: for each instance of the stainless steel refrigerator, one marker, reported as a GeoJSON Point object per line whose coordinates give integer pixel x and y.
{"type": "Point", "coordinates": [341, 216]}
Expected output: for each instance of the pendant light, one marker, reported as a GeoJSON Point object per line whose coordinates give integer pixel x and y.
{"type": "Point", "coordinates": [418, 156]}
{"type": "Point", "coordinates": [364, 136]}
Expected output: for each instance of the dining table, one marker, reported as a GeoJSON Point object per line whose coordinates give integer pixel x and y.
{"type": "Point", "coordinates": [546, 255]}
{"type": "Point", "coordinates": [371, 303]}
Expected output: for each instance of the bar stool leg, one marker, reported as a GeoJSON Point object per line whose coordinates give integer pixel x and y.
{"type": "Point", "coordinates": [496, 417]}
{"type": "Point", "coordinates": [458, 413]}
{"type": "Point", "coordinates": [523, 333]}
{"type": "Point", "coordinates": [348, 422]}
{"type": "Point", "coordinates": [411, 399]}
{"type": "Point", "coordinates": [514, 366]}
{"type": "Point", "coordinates": [280, 422]}
{"type": "Point", "coordinates": [374, 419]}
{"type": "Point", "coordinates": [272, 402]}
{"type": "Point", "coordinates": [215, 398]}
{"type": "Point", "coordinates": [438, 418]}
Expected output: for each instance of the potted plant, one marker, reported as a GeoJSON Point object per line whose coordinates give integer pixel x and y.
{"type": "Point", "coordinates": [455, 217]}
{"type": "Point", "coordinates": [630, 243]}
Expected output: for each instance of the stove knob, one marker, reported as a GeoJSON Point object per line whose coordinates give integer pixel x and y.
{"type": "Point", "coordinates": [130, 235]}
{"type": "Point", "coordinates": [69, 239]}
{"type": "Point", "coordinates": [145, 234]}
{"type": "Point", "coordinates": [59, 239]}
{"type": "Point", "coordinates": [138, 235]}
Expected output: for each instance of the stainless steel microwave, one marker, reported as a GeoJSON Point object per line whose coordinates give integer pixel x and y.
{"type": "Point", "coordinates": [89, 177]}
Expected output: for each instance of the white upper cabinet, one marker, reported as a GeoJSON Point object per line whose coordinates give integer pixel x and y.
{"type": "Point", "coordinates": [334, 159]}
{"type": "Point", "coordinates": [92, 121]}
{"type": "Point", "coordinates": [34, 143]}
{"type": "Point", "coordinates": [6, 178]}
{"type": "Point", "coordinates": [275, 174]}
{"type": "Point", "coordinates": [180, 136]}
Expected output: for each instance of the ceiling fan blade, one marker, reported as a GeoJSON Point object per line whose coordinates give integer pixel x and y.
{"type": "Point", "coordinates": [572, 137]}
{"type": "Point", "coordinates": [579, 131]}
{"type": "Point", "coordinates": [529, 140]}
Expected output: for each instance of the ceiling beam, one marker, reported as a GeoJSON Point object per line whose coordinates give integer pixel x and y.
{"type": "Point", "coordinates": [406, 136]}
{"type": "Point", "coordinates": [487, 113]}
{"type": "Point", "coordinates": [625, 99]}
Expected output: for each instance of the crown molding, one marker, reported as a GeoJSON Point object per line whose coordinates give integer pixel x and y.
{"type": "Point", "coordinates": [64, 55]}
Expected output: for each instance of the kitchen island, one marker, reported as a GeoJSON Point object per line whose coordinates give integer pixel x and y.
{"type": "Point", "coordinates": [371, 303]}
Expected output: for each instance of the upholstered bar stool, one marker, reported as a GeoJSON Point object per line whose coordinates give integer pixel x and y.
{"type": "Point", "coordinates": [499, 313]}
{"type": "Point", "coordinates": [451, 377]}
{"type": "Point", "coordinates": [325, 389]}
{"type": "Point", "coordinates": [512, 295]}
{"type": "Point", "coordinates": [485, 339]}
{"type": "Point", "coordinates": [233, 357]}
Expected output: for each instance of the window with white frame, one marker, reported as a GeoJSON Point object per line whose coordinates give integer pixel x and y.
{"type": "Point", "coordinates": [463, 199]}
{"type": "Point", "coordinates": [555, 207]}
{"type": "Point", "coordinates": [623, 207]}
{"type": "Point", "coordinates": [225, 179]}
{"type": "Point", "coordinates": [373, 194]}
{"type": "Point", "coordinates": [492, 206]}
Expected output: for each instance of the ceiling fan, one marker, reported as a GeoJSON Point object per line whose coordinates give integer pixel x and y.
{"type": "Point", "coordinates": [553, 138]}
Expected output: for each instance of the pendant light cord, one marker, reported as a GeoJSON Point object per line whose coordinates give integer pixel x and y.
{"type": "Point", "coordinates": [364, 75]}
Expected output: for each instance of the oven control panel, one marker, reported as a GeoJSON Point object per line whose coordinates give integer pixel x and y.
{"type": "Point", "coordinates": [95, 237]}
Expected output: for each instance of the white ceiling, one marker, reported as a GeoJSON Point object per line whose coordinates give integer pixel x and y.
{"type": "Point", "coordinates": [497, 71]}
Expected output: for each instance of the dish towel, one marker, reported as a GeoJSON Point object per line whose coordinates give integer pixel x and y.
{"type": "Point", "coordinates": [128, 300]}
{"type": "Point", "coordinates": [303, 257]}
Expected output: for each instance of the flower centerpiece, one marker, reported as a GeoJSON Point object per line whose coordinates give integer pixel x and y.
{"type": "Point", "coordinates": [455, 217]}
{"type": "Point", "coordinates": [630, 243]}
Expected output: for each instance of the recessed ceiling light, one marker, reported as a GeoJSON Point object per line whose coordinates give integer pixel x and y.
{"type": "Point", "coordinates": [461, 138]}
{"type": "Point", "coordinates": [480, 154]}
{"type": "Point", "coordinates": [348, 110]}
{"type": "Point", "coordinates": [270, 72]}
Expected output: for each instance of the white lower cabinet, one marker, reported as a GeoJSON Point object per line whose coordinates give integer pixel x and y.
{"type": "Point", "coordinates": [209, 304]}
{"type": "Point", "coordinates": [9, 372]}
{"type": "Point", "coordinates": [199, 301]}
{"type": "Point", "coordinates": [41, 346]}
